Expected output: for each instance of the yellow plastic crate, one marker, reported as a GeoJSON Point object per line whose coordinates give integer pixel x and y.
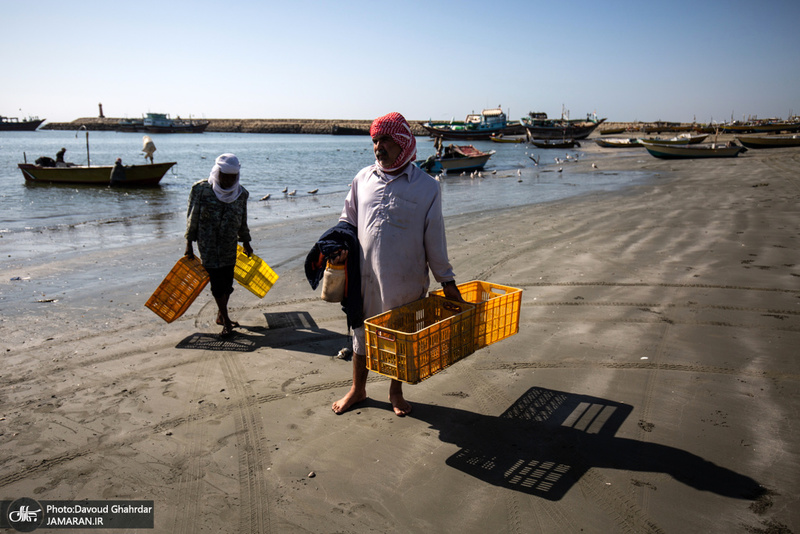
{"type": "Point", "coordinates": [497, 310]}
{"type": "Point", "coordinates": [415, 341]}
{"type": "Point", "coordinates": [253, 273]}
{"type": "Point", "coordinates": [179, 289]}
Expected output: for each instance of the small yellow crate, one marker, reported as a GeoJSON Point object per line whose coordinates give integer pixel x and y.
{"type": "Point", "coordinates": [179, 289]}
{"type": "Point", "coordinates": [253, 273]}
{"type": "Point", "coordinates": [497, 310]}
{"type": "Point", "coordinates": [413, 342]}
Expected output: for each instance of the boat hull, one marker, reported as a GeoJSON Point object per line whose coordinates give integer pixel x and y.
{"type": "Point", "coordinates": [471, 134]}
{"type": "Point", "coordinates": [563, 131]}
{"type": "Point", "coordinates": [21, 126]}
{"type": "Point", "coordinates": [618, 143]}
{"type": "Point", "coordinates": [769, 141]}
{"type": "Point", "coordinates": [135, 175]}
{"type": "Point", "coordinates": [569, 143]}
{"type": "Point", "coordinates": [691, 151]}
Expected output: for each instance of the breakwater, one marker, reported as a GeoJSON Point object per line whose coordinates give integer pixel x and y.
{"type": "Point", "coordinates": [283, 126]}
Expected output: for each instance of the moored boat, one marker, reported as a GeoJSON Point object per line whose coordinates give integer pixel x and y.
{"type": "Point", "coordinates": [455, 159]}
{"type": "Point", "coordinates": [616, 142]}
{"type": "Point", "coordinates": [769, 141]}
{"type": "Point", "coordinates": [13, 124]}
{"type": "Point", "coordinates": [682, 139]}
{"type": "Point", "coordinates": [713, 150]}
{"type": "Point", "coordinates": [475, 127]}
{"type": "Point", "coordinates": [161, 123]}
{"type": "Point", "coordinates": [500, 138]}
{"type": "Point", "coordinates": [554, 143]}
{"type": "Point", "coordinates": [135, 175]}
{"type": "Point", "coordinates": [539, 126]}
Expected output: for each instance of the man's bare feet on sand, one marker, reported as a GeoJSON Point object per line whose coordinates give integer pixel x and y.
{"type": "Point", "coordinates": [346, 402]}
{"type": "Point", "coordinates": [400, 406]}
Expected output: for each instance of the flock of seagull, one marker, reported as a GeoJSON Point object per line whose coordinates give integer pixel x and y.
{"type": "Point", "coordinates": [568, 158]}
{"type": "Point", "coordinates": [291, 193]}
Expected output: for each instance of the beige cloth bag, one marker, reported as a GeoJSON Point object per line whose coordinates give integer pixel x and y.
{"type": "Point", "coordinates": [333, 282]}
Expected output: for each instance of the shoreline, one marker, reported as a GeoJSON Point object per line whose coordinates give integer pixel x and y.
{"type": "Point", "coordinates": [670, 312]}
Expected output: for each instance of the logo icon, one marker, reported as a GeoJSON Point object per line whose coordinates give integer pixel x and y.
{"type": "Point", "coordinates": [25, 515]}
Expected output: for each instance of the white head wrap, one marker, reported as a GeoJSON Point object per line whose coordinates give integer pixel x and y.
{"type": "Point", "coordinates": [228, 164]}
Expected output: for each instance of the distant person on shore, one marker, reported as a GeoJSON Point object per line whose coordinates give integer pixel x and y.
{"type": "Point", "coordinates": [217, 220]}
{"type": "Point", "coordinates": [395, 209]}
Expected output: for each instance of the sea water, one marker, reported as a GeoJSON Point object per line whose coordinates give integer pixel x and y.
{"type": "Point", "coordinates": [41, 220]}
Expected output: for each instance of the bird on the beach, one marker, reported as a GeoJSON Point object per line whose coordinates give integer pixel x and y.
{"type": "Point", "coordinates": [313, 192]}
{"type": "Point", "coordinates": [560, 169]}
{"type": "Point", "coordinates": [519, 172]}
{"type": "Point", "coordinates": [494, 172]}
{"type": "Point", "coordinates": [285, 189]}
{"type": "Point", "coordinates": [293, 192]}
{"type": "Point", "coordinates": [266, 197]}
{"type": "Point", "coordinates": [594, 165]}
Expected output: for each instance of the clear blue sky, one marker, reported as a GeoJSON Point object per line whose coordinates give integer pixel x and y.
{"type": "Point", "coordinates": [626, 60]}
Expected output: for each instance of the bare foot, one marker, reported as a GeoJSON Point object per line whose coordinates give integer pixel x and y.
{"type": "Point", "coordinates": [221, 321]}
{"type": "Point", "coordinates": [399, 404]}
{"type": "Point", "coordinates": [345, 403]}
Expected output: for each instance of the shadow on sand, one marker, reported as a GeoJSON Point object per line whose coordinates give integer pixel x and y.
{"type": "Point", "coordinates": [547, 440]}
{"type": "Point", "coordinates": [286, 330]}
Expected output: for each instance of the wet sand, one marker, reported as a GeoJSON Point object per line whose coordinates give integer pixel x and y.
{"type": "Point", "coordinates": [653, 386]}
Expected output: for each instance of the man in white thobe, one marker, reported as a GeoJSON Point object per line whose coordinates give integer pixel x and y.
{"type": "Point", "coordinates": [397, 209]}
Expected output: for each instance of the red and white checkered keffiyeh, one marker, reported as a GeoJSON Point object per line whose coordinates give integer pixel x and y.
{"type": "Point", "coordinates": [398, 128]}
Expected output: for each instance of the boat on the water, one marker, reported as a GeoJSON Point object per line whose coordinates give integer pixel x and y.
{"type": "Point", "coordinates": [539, 126]}
{"type": "Point", "coordinates": [619, 142]}
{"type": "Point", "coordinates": [500, 138]}
{"type": "Point", "coordinates": [161, 123]}
{"type": "Point", "coordinates": [13, 124]}
{"type": "Point", "coordinates": [686, 151]}
{"type": "Point", "coordinates": [455, 159]}
{"type": "Point", "coordinates": [769, 141]}
{"type": "Point", "coordinates": [135, 175]}
{"type": "Point", "coordinates": [554, 143]}
{"type": "Point", "coordinates": [475, 127]}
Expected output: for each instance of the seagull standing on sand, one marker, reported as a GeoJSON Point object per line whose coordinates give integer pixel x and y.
{"type": "Point", "coordinates": [293, 192]}
{"type": "Point", "coordinates": [266, 197]}
{"type": "Point", "coordinates": [285, 189]}
{"type": "Point", "coordinates": [313, 192]}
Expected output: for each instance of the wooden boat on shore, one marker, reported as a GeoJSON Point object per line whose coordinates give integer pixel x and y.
{"type": "Point", "coordinates": [456, 159]}
{"type": "Point", "coordinates": [13, 124]}
{"type": "Point", "coordinates": [683, 139]}
{"type": "Point", "coordinates": [685, 151]}
{"type": "Point", "coordinates": [554, 143]}
{"type": "Point", "coordinates": [769, 141]}
{"type": "Point", "coordinates": [539, 126]}
{"type": "Point", "coordinates": [135, 175]}
{"type": "Point", "coordinates": [616, 142]}
{"type": "Point", "coordinates": [612, 131]}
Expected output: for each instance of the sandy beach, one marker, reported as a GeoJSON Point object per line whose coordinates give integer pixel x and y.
{"type": "Point", "coordinates": [653, 386]}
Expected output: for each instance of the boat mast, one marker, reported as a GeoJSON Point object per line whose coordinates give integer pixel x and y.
{"type": "Point", "coordinates": [83, 127]}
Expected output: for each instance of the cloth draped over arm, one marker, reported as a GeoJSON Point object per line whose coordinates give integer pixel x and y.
{"type": "Point", "coordinates": [342, 236]}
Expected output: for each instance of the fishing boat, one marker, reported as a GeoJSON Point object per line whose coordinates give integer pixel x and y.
{"type": "Point", "coordinates": [763, 126]}
{"type": "Point", "coordinates": [612, 131]}
{"type": "Point", "coordinates": [769, 141]}
{"type": "Point", "coordinates": [617, 142]}
{"type": "Point", "coordinates": [713, 150]}
{"type": "Point", "coordinates": [500, 138]}
{"type": "Point", "coordinates": [554, 143]}
{"type": "Point", "coordinates": [475, 127]}
{"type": "Point", "coordinates": [161, 123]}
{"type": "Point", "coordinates": [135, 175]}
{"type": "Point", "coordinates": [455, 159]}
{"type": "Point", "coordinates": [539, 126]}
{"type": "Point", "coordinates": [683, 139]}
{"type": "Point", "coordinates": [13, 124]}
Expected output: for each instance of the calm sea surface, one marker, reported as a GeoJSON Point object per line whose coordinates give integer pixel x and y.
{"type": "Point", "coordinates": [38, 220]}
